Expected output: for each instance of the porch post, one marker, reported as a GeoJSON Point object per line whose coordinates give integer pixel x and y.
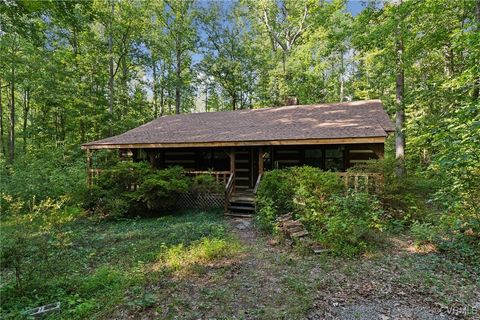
{"type": "Point", "coordinates": [232, 165]}
{"type": "Point", "coordinates": [89, 168]}
{"type": "Point", "coordinates": [260, 160]}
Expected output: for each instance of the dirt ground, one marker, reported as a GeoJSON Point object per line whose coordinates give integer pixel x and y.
{"type": "Point", "coordinates": [376, 290]}
{"type": "Point", "coordinates": [270, 280]}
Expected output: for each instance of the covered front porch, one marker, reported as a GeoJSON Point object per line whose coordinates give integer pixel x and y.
{"type": "Point", "coordinates": [248, 162]}
{"type": "Point", "coordinates": [240, 168]}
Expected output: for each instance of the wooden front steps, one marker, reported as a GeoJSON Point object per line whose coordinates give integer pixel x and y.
{"type": "Point", "coordinates": [241, 204]}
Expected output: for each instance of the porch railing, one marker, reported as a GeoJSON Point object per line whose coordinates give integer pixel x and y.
{"type": "Point", "coordinates": [229, 188]}
{"type": "Point", "coordinates": [220, 176]}
{"type": "Point", "coordinates": [255, 189]}
{"type": "Point", "coordinates": [363, 181]}
{"type": "Point", "coordinates": [92, 173]}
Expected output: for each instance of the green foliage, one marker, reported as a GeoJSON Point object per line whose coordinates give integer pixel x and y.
{"type": "Point", "coordinates": [134, 188]}
{"type": "Point", "coordinates": [422, 232]}
{"type": "Point", "coordinates": [13, 255]}
{"type": "Point", "coordinates": [206, 183]}
{"type": "Point", "coordinates": [274, 195]}
{"type": "Point", "coordinates": [159, 189]}
{"type": "Point", "coordinates": [201, 252]}
{"type": "Point", "coordinates": [405, 200]}
{"type": "Point", "coordinates": [39, 176]}
{"type": "Point", "coordinates": [459, 237]}
{"type": "Point", "coordinates": [91, 267]}
{"type": "Point", "coordinates": [295, 189]}
{"type": "Point", "coordinates": [342, 222]}
{"type": "Point", "coordinates": [124, 176]}
{"type": "Point", "coordinates": [351, 225]}
{"type": "Point", "coordinates": [113, 193]}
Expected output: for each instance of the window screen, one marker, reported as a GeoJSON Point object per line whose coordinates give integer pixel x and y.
{"type": "Point", "coordinates": [314, 157]}
{"type": "Point", "coordinates": [334, 159]}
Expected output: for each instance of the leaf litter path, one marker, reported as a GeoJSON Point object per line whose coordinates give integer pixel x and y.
{"type": "Point", "coordinates": [398, 283]}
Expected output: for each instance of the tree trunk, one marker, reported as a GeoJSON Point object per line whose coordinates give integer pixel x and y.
{"type": "Point", "coordinates": [12, 116]}
{"type": "Point", "coordinates": [162, 100]}
{"type": "Point", "coordinates": [2, 141]}
{"type": "Point", "coordinates": [110, 65]}
{"type": "Point", "coordinates": [124, 97]}
{"type": "Point", "coordinates": [26, 109]}
{"type": "Point", "coordinates": [155, 89]}
{"type": "Point", "coordinates": [400, 112]}
{"type": "Point", "coordinates": [178, 75]}
{"type": "Point", "coordinates": [342, 81]}
{"type": "Point", "coordinates": [162, 88]}
{"type": "Point", "coordinates": [169, 101]}
{"type": "Point", "coordinates": [206, 97]}
{"type": "Point", "coordinates": [448, 56]}
{"type": "Point", "coordinates": [476, 85]}
{"type": "Point", "coordinates": [234, 101]}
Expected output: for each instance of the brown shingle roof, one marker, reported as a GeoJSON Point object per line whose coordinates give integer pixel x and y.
{"type": "Point", "coordinates": [360, 119]}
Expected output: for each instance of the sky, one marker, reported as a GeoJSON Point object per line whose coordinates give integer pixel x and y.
{"type": "Point", "coordinates": [355, 6]}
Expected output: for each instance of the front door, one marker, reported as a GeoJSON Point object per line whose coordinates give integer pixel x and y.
{"type": "Point", "coordinates": [246, 167]}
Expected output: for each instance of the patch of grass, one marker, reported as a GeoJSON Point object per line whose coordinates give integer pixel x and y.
{"type": "Point", "coordinates": [92, 266]}
{"type": "Point", "coordinates": [201, 252]}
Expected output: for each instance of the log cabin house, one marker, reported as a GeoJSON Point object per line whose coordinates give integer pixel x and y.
{"type": "Point", "coordinates": [238, 146]}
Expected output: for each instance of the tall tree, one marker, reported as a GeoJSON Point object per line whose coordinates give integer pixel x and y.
{"type": "Point", "coordinates": [182, 35]}
{"type": "Point", "coordinates": [111, 73]}
{"type": "Point", "coordinates": [285, 22]}
{"type": "Point", "coordinates": [227, 59]}
{"type": "Point", "coordinates": [399, 96]}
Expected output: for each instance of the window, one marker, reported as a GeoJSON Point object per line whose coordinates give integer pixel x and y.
{"type": "Point", "coordinates": [334, 159]}
{"type": "Point", "coordinates": [221, 161]}
{"type": "Point", "coordinates": [205, 160]}
{"type": "Point", "coordinates": [314, 158]}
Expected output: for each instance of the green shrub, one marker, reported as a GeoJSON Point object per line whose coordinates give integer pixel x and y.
{"type": "Point", "coordinates": [129, 189]}
{"type": "Point", "coordinates": [406, 200]}
{"type": "Point", "coordinates": [124, 176]}
{"type": "Point", "coordinates": [350, 224]}
{"type": "Point", "coordinates": [275, 191]}
{"type": "Point", "coordinates": [423, 232]}
{"type": "Point", "coordinates": [206, 183]}
{"type": "Point", "coordinates": [300, 190]}
{"type": "Point", "coordinates": [112, 194]}
{"type": "Point", "coordinates": [458, 235]}
{"type": "Point", "coordinates": [159, 189]}
{"type": "Point", "coordinates": [342, 222]}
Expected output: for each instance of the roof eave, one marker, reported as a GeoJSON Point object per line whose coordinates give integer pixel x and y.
{"type": "Point", "coordinates": [326, 141]}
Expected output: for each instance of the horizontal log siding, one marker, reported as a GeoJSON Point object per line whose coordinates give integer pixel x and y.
{"type": "Point", "coordinates": [188, 158]}
{"type": "Point", "coordinates": [356, 154]}
{"type": "Point", "coordinates": [284, 156]}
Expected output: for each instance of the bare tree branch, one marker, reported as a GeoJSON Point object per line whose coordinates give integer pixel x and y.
{"type": "Point", "coordinates": [301, 28]}
{"type": "Point", "coordinates": [271, 31]}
